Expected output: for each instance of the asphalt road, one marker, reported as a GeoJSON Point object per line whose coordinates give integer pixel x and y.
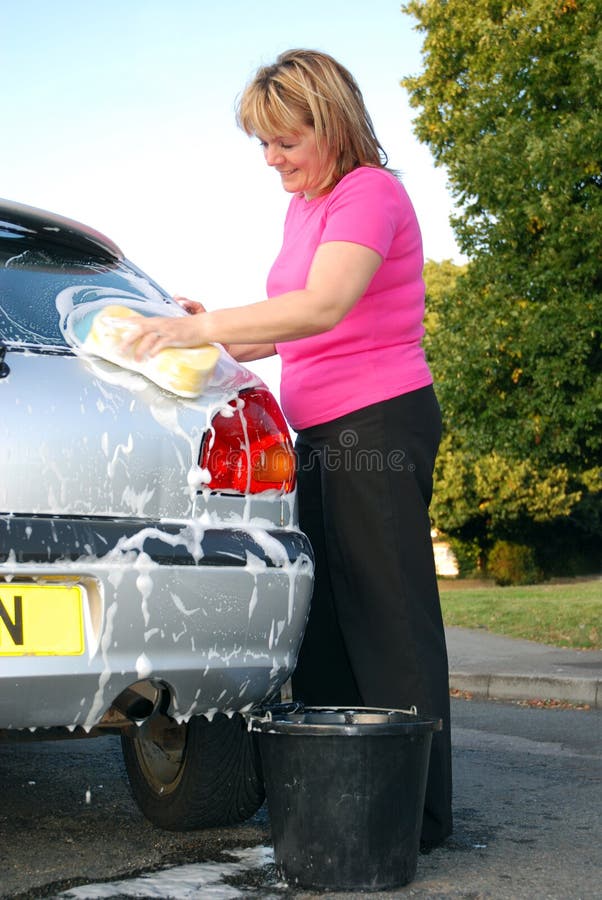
{"type": "Point", "coordinates": [528, 807]}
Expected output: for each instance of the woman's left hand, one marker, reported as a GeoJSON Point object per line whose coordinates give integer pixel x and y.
{"type": "Point", "coordinates": [148, 335]}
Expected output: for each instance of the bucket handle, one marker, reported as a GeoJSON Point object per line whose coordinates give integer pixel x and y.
{"type": "Point", "coordinates": [266, 715]}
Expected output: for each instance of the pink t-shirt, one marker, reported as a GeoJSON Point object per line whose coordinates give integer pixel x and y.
{"type": "Point", "coordinates": [375, 351]}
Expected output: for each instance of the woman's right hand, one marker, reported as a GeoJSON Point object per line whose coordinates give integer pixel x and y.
{"type": "Point", "coordinates": [190, 306]}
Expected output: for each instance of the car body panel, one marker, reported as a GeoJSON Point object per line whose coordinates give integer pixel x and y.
{"type": "Point", "coordinates": [103, 458]}
{"type": "Point", "coordinates": [219, 636]}
{"type": "Point", "coordinates": [203, 594]}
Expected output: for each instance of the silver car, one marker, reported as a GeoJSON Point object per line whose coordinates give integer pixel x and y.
{"type": "Point", "coordinates": [153, 578]}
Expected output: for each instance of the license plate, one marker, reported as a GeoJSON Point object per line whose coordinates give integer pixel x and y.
{"type": "Point", "coordinates": [41, 620]}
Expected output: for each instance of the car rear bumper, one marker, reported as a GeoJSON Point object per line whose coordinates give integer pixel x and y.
{"type": "Point", "coordinates": [216, 615]}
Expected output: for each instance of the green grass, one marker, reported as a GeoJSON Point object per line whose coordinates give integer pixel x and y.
{"type": "Point", "coordinates": [563, 615]}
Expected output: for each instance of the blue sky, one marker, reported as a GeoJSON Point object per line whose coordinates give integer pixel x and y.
{"type": "Point", "coordinates": [121, 114]}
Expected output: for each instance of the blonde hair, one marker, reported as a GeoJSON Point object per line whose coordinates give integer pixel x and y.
{"type": "Point", "coordinates": [311, 88]}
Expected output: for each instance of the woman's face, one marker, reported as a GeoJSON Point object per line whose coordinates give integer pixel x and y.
{"type": "Point", "coordinates": [296, 159]}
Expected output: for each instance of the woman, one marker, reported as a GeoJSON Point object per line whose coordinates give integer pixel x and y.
{"type": "Point", "coordinates": [344, 311]}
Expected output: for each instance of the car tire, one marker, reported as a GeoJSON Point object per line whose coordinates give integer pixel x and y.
{"type": "Point", "coordinates": [197, 774]}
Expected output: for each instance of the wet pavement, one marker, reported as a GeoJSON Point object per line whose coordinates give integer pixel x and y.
{"type": "Point", "coordinates": [527, 800]}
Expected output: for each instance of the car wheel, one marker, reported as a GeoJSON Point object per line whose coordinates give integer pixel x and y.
{"type": "Point", "coordinates": [196, 774]}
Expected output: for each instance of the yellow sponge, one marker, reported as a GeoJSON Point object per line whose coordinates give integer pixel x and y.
{"type": "Point", "coordinates": [182, 371]}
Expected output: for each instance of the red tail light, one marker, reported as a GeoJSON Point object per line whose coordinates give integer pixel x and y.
{"type": "Point", "coordinates": [249, 451]}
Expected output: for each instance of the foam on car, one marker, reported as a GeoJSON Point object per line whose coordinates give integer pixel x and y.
{"type": "Point", "coordinates": [182, 371]}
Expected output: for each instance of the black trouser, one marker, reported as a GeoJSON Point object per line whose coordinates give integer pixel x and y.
{"type": "Point", "coordinates": [375, 635]}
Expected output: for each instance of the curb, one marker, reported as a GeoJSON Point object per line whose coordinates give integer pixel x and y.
{"type": "Point", "coordinates": [529, 687]}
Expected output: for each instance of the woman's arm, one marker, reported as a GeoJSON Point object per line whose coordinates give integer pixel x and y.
{"type": "Point", "coordinates": [249, 352]}
{"type": "Point", "coordinates": [240, 352]}
{"type": "Point", "coordinates": [339, 275]}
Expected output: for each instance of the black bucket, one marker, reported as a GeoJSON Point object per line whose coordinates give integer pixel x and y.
{"type": "Point", "coordinates": [345, 791]}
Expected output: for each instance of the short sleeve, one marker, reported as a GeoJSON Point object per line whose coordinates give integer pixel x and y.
{"type": "Point", "coordinates": [366, 208]}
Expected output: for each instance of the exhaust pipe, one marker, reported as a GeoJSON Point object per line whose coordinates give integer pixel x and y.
{"type": "Point", "coordinates": [139, 701]}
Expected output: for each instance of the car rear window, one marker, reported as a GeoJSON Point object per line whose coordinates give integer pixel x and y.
{"type": "Point", "coordinates": [35, 275]}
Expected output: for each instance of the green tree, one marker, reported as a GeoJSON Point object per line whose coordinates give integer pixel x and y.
{"type": "Point", "coordinates": [508, 102]}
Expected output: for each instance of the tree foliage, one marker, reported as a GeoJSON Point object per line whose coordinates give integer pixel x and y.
{"type": "Point", "coordinates": [508, 101]}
